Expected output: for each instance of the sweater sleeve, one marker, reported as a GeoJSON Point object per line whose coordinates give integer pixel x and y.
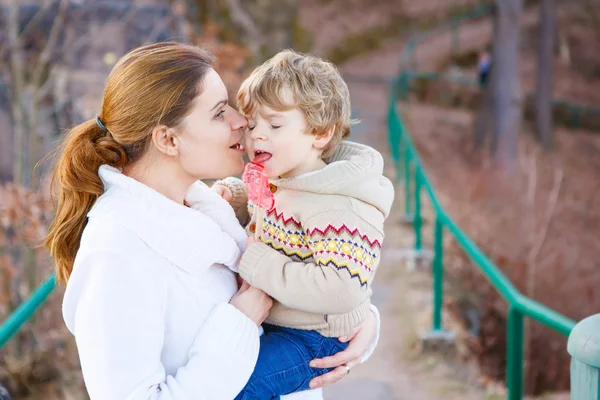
{"type": "Point", "coordinates": [239, 202]}
{"type": "Point", "coordinates": [119, 323]}
{"type": "Point", "coordinates": [345, 252]}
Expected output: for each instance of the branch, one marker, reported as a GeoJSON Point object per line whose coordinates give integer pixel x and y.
{"type": "Point", "coordinates": [17, 87]}
{"type": "Point", "coordinates": [32, 22]}
{"type": "Point", "coordinates": [83, 40]}
{"type": "Point", "coordinates": [48, 50]}
{"type": "Point", "coordinates": [161, 25]}
{"type": "Point", "coordinates": [239, 16]}
{"type": "Point", "coordinates": [558, 178]}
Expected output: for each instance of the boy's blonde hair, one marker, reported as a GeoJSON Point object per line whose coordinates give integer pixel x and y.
{"type": "Point", "coordinates": [318, 89]}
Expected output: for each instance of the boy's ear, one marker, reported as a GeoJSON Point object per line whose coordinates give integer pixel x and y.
{"type": "Point", "coordinates": [322, 139]}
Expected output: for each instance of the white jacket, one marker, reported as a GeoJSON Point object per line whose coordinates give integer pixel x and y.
{"type": "Point", "coordinates": [148, 299]}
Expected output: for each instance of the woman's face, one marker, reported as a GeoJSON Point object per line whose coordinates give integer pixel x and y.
{"type": "Point", "coordinates": [211, 135]}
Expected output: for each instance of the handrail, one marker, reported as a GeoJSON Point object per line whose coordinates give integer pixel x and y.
{"type": "Point", "coordinates": [410, 172]}
{"type": "Point", "coordinates": [25, 310]}
{"type": "Point", "coordinates": [519, 304]}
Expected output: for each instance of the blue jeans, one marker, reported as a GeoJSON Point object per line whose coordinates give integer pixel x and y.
{"type": "Point", "coordinates": [282, 366]}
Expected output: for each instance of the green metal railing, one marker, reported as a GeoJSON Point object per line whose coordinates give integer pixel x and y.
{"type": "Point", "coordinates": [25, 310]}
{"type": "Point", "coordinates": [413, 179]}
{"type": "Point", "coordinates": [410, 170]}
{"type": "Point", "coordinates": [584, 348]}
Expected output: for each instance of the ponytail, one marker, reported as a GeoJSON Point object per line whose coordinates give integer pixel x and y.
{"type": "Point", "coordinates": [131, 108]}
{"type": "Point", "coordinates": [76, 186]}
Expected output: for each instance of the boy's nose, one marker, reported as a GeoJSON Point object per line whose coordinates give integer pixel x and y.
{"type": "Point", "coordinates": [258, 134]}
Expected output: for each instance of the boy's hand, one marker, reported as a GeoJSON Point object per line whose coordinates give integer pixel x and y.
{"type": "Point", "coordinates": [223, 191]}
{"type": "Point", "coordinates": [250, 241]}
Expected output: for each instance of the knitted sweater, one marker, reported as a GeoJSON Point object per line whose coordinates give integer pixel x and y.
{"type": "Point", "coordinates": [319, 247]}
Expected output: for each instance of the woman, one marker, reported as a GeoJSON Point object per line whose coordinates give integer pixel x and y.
{"type": "Point", "coordinates": [151, 300]}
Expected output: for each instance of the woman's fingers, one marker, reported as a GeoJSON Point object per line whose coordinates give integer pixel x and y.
{"type": "Point", "coordinates": [336, 360]}
{"type": "Point", "coordinates": [351, 336]}
{"type": "Point", "coordinates": [329, 378]}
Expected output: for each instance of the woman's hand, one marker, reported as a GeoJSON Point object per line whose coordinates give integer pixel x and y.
{"type": "Point", "coordinates": [360, 340]}
{"type": "Point", "coordinates": [253, 302]}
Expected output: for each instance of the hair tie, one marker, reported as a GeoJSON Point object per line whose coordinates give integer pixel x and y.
{"type": "Point", "coordinates": [100, 124]}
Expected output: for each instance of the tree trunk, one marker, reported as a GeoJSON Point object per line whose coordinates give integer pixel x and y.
{"type": "Point", "coordinates": [17, 84]}
{"type": "Point", "coordinates": [485, 114]}
{"type": "Point", "coordinates": [507, 97]}
{"type": "Point", "coordinates": [543, 101]}
{"type": "Point", "coordinates": [275, 26]}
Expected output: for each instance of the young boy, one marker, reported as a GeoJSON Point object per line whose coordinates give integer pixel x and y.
{"type": "Point", "coordinates": [319, 247]}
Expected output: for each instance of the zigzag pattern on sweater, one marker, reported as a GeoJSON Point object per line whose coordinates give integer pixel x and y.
{"type": "Point", "coordinates": [356, 261]}
{"type": "Point", "coordinates": [292, 238]}
{"type": "Point", "coordinates": [344, 266]}
{"type": "Point", "coordinates": [295, 253]}
{"type": "Point", "coordinates": [281, 217]}
{"type": "Point", "coordinates": [339, 230]}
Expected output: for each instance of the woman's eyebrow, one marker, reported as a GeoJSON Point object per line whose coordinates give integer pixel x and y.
{"type": "Point", "coordinates": [221, 102]}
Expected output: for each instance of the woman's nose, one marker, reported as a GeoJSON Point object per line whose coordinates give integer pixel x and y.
{"type": "Point", "coordinates": [237, 121]}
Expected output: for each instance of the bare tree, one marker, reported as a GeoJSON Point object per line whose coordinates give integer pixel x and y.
{"type": "Point", "coordinates": [543, 101]}
{"type": "Point", "coordinates": [28, 86]}
{"type": "Point", "coordinates": [497, 120]}
{"type": "Point", "coordinates": [485, 114]}
{"type": "Point", "coordinates": [38, 55]}
{"type": "Point", "coordinates": [505, 85]}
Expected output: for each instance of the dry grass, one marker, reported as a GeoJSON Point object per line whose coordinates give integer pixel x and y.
{"type": "Point", "coordinates": [539, 228]}
{"type": "Point", "coordinates": [43, 350]}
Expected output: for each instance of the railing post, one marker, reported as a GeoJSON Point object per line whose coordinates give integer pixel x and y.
{"type": "Point", "coordinates": [438, 273]}
{"type": "Point", "coordinates": [514, 354]}
{"type": "Point", "coordinates": [584, 348]}
{"type": "Point", "coordinates": [408, 215]}
{"type": "Point", "coordinates": [403, 86]}
{"type": "Point", "coordinates": [418, 223]}
{"type": "Point", "coordinates": [395, 139]}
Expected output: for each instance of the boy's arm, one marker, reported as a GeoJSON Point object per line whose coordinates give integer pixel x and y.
{"type": "Point", "coordinates": [239, 200]}
{"type": "Point", "coordinates": [346, 252]}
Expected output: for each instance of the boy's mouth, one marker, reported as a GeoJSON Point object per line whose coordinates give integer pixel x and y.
{"type": "Point", "coordinates": [261, 157]}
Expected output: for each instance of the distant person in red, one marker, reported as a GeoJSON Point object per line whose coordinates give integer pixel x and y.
{"type": "Point", "coordinates": [484, 66]}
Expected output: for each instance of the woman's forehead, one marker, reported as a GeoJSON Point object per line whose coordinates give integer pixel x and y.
{"type": "Point", "coordinates": [214, 91]}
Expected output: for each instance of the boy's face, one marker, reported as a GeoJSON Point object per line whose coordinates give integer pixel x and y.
{"type": "Point", "coordinates": [280, 141]}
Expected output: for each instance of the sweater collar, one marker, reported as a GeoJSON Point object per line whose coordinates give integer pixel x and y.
{"type": "Point", "coordinates": [353, 170]}
{"type": "Point", "coordinates": [191, 239]}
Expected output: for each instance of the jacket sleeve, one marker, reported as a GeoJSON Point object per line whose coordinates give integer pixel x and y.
{"type": "Point", "coordinates": [239, 202]}
{"type": "Point", "coordinates": [119, 325]}
{"type": "Point", "coordinates": [345, 253]}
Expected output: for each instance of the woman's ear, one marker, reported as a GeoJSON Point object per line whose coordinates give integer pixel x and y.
{"type": "Point", "coordinates": [322, 139]}
{"type": "Point", "coordinates": [166, 140]}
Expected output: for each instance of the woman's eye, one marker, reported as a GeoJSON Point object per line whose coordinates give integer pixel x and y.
{"type": "Point", "coordinates": [220, 114]}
